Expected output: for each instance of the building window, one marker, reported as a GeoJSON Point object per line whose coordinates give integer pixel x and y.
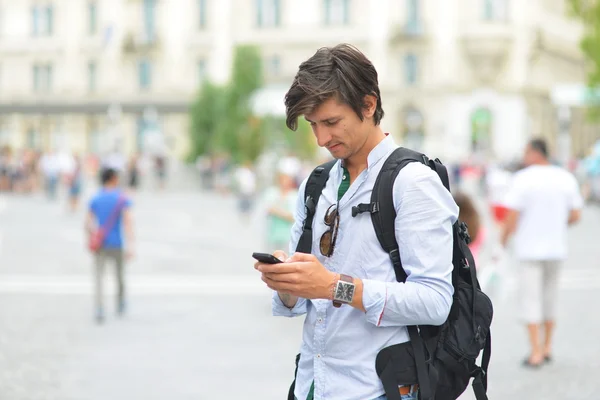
{"type": "Point", "coordinates": [36, 78]}
{"type": "Point", "coordinates": [337, 12]}
{"type": "Point", "coordinates": [145, 74]}
{"type": "Point", "coordinates": [92, 18]}
{"type": "Point", "coordinates": [33, 139]}
{"type": "Point", "coordinates": [35, 21]}
{"type": "Point", "coordinates": [201, 72]}
{"type": "Point", "coordinates": [413, 129]}
{"type": "Point", "coordinates": [413, 20]}
{"type": "Point", "coordinates": [274, 66]}
{"type": "Point", "coordinates": [149, 20]}
{"type": "Point", "coordinates": [42, 20]}
{"type": "Point", "coordinates": [202, 14]}
{"type": "Point", "coordinates": [410, 69]}
{"type": "Point", "coordinates": [48, 78]}
{"type": "Point", "coordinates": [92, 76]}
{"type": "Point", "coordinates": [495, 10]}
{"type": "Point", "coordinates": [268, 13]}
{"type": "Point", "coordinates": [42, 78]}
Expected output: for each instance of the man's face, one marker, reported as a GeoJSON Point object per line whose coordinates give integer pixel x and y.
{"type": "Point", "coordinates": [530, 156]}
{"type": "Point", "coordinates": [337, 128]}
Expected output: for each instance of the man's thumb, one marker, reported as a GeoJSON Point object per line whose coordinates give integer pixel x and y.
{"type": "Point", "coordinates": [280, 254]}
{"type": "Point", "coordinates": [301, 257]}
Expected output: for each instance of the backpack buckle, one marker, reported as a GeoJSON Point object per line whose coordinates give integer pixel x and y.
{"type": "Point", "coordinates": [365, 207]}
{"type": "Point", "coordinates": [310, 205]}
{"type": "Point", "coordinates": [463, 232]}
{"type": "Point", "coordinates": [395, 257]}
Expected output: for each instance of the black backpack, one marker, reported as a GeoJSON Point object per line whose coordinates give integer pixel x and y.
{"type": "Point", "coordinates": [441, 359]}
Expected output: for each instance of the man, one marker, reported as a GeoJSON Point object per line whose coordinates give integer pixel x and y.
{"type": "Point", "coordinates": [110, 210]}
{"type": "Point", "coordinates": [337, 92]}
{"type": "Point", "coordinates": [51, 169]}
{"type": "Point", "coordinates": [542, 201]}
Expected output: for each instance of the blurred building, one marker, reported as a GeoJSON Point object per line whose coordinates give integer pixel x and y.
{"type": "Point", "coordinates": [456, 75]}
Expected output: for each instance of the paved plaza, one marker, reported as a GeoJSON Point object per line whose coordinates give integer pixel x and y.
{"type": "Point", "coordinates": [199, 324]}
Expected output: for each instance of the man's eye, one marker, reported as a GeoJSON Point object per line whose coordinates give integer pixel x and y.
{"type": "Point", "coordinates": [330, 123]}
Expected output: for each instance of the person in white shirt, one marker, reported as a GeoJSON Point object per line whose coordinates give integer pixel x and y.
{"type": "Point", "coordinates": [51, 169]}
{"type": "Point", "coordinates": [245, 180]}
{"type": "Point", "coordinates": [543, 201]}
{"type": "Point", "coordinates": [336, 90]}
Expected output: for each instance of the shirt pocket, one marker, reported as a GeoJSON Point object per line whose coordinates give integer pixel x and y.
{"type": "Point", "coordinates": [366, 258]}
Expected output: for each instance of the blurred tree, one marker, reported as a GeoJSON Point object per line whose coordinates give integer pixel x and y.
{"type": "Point", "coordinates": [222, 118]}
{"type": "Point", "coordinates": [588, 11]}
{"type": "Point", "coordinates": [205, 113]}
{"type": "Point", "coordinates": [302, 141]}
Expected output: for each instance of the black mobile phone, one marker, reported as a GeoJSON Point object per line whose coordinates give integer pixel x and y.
{"type": "Point", "coordinates": [266, 258]}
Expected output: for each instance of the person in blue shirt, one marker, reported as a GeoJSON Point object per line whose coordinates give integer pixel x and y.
{"type": "Point", "coordinates": [110, 209]}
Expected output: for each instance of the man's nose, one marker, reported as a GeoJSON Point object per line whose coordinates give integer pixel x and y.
{"type": "Point", "coordinates": [322, 134]}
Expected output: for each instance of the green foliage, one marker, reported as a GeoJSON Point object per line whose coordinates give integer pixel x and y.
{"type": "Point", "coordinates": [221, 117]}
{"type": "Point", "coordinates": [302, 141]}
{"type": "Point", "coordinates": [205, 114]}
{"type": "Point", "coordinates": [588, 11]}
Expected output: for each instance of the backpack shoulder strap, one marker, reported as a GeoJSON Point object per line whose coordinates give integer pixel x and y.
{"type": "Point", "coordinates": [382, 199]}
{"type": "Point", "coordinates": [312, 192]}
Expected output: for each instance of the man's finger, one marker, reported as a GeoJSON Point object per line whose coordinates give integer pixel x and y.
{"type": "Point", "coordinates": [282, 287]}
{"type": "Point", "coordinates": [290, 278]}
{"type": "Point", "coordinates": [301, 257]}
{"type": "Point", "coordinates": [281, 268]}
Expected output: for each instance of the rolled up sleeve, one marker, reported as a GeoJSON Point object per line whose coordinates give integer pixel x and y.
{"type": "Point", "coordinates": [425, 213]}
{"type": "Point", "coordinates": [281, 310]}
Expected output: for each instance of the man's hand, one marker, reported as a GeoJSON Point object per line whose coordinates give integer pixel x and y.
{"type": "Point", "coordinates": [302, 275]}
{"type": "Point", "coordinates": [287, 299]}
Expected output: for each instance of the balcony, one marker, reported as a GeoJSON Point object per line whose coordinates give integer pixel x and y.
{"type": "Point", "coordinates": [140, 43]}
{"type": "Point", "coordinates": [487, 46]}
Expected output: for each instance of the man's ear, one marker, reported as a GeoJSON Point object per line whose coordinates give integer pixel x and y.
{"type": "Point", "coordinates": [370, 105]}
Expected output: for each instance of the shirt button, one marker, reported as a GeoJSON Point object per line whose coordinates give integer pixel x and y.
{"type": "Point", "coordinates": [344, 177]}
{"type": "Point", "coordinates": [320, 320]}
{"type": "Point", "coordinates": [318, 356]}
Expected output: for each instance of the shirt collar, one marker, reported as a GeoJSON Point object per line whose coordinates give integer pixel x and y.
{"type": "Point", "coordinates": [381, 150]}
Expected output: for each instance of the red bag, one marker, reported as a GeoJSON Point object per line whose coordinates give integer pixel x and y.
{"type": "Point", "coordinates": [96, 239]}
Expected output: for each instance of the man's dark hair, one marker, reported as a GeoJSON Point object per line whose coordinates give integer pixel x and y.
{"type": "Point", "coordinates": [107, 175]}
{"type": "Point", "coordinates": [341, 71]}
{"type": "Point", "coordinates": [540, 146]}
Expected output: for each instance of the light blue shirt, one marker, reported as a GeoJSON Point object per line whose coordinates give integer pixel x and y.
{"type": "Point", "coordinates": [339, 345]}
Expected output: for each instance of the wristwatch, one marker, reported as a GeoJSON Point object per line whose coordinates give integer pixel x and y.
{"type": "Point", "coordinates": [343, 291]}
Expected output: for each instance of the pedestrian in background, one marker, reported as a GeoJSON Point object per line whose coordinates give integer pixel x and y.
{"type": "Point", "coordinates": [543, 201]}
{"type": "Point", "coordinates": [280, 204]}
{"type": "Point", "coordinates": [468, 214]}
{"type": "Point", "coordinates": [109, 210]}
{"type": "Point", "coordinates": [51, 169]}
{"type": "Point", "coordinates": [75, 183]}
{"type": "Point", "coordinates": [245, 182]}
{"type": "Point", "coordinates": [133, 173]}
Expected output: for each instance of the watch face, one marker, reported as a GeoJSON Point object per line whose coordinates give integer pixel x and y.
{"type": "Point", "coordinates": [344, 292]}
